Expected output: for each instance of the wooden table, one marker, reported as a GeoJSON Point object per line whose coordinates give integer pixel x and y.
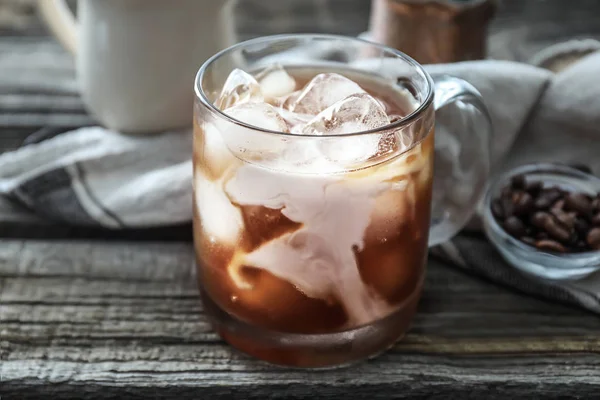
{"type": "Point", "coordinates": [87, 313]}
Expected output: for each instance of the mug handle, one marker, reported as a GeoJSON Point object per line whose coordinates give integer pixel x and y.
{"type": "Point", "coordinates": [61, 22]}
{"type": "Point", "coordinates": [463, 134]}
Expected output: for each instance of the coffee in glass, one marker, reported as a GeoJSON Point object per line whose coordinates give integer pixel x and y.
{"type": "Point", "coordinates": [312, 207]}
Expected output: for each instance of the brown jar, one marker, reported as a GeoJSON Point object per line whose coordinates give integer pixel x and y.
{"type": "Point", "coordinates": [433, 31]}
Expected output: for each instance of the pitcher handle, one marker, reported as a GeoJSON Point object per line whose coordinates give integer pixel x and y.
{"type": "Point", "coordinates": [463, 134]}
{"type": "Point", "coordinates": [61, 21]}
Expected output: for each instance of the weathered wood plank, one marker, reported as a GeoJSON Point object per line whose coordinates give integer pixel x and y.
{"type": "Point", "coordinates": [104, 261]}
{"type": "Point", "coordinates": [110, 319]}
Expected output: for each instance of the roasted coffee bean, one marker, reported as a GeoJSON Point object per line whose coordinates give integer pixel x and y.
{"type": "Point", "coordinates": [523, 203]}
{"type": "Point", "coordinates": [534, 188]}
{"type": "Point", "coordinates": [549, 218]}
{"type": "Point", "coordinates": [556, 229]}
{"type": "Point", "coordinates": [581, 167]}
{"type": "Point", "coordinates": [567, 219]}
{"type": "Point", "coordinates": [581, 226]}
{"type": "Point", "coordinates": [593, 239]}
{"type": "Point", "coordinates": [528, 240]}
{"type": "Point", "coordinates": [547, 198]}
{"type": "Point", "coordinates": [514, 226]}
{"type": "Point", "coordinates": [542, 202]}
{"type": "Point", "coordinates": [550, 245]}
{"type": "Point", "coordinates": [539, 219]}
{"type": "Point", "coordinates": [550, 224]}
{"type": "Point", "coordinates": [497, 209]}
{"type": "Point", "coordinates": [518, 182]}
{"type": "Point", "coordinates": [580, 203]}
{"type": "Point", "coordinates": [558, 205]}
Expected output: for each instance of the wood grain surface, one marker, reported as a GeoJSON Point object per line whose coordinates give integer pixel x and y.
{"type": "Point", "coordinates": [80, 319]}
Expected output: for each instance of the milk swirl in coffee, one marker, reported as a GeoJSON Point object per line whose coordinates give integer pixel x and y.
{"type": "Point", "coordinates": [300, 226]}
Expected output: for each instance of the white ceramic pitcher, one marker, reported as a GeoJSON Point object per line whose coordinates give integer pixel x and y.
{"type": "Point", "coordinates": [136, 59]}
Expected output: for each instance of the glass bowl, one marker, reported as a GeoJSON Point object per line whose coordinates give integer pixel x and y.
{"type": "Point", "coordinates": [556, 266]}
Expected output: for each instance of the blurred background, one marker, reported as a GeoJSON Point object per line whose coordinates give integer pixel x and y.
{"type": "Point", "coordinates": [519, 28]}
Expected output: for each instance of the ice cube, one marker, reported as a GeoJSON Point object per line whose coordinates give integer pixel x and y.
{"type": "Point", "coordinates": [260, 115]}
{"type": "Point", "coordinates": [321, 92]}
{"type": "Point", "coordinates": [295, 121]}
{"type": "Point", "coordinates": [276, 82]}
{"type": "Point", "coordinates": [400, 168]}
{"type": "Point", "coordinates": [350, 152]}
{"type": "Point", "coordinates": [215, 155]}
{"type": "Point", "coordinates": [221, 221]}
{"type": "Point", "coordinates": [300, 258]}
{"type": "Point", "coordinates": [356, 113]}
{"type": "Point", "coordinates": [305, 156]}
{"type": "Point", "coordinates": [246, 142]}
{"type": "Point", "coordinates": [392, 209]}
{"type": "Point", "coordinates": [240, 87]}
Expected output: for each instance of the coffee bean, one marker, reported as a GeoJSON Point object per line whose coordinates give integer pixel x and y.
{"type": "Point", "coordinates": [547, 198]}
{"type": "Point", "coordinates": [549, 218]}
{"type": "Point", "coordinates": [593, 239]}
{"type": "Point", "coordinates": [558, 204]}
{"type": "Point", "coordinates": [581, 226]}
{"type": "Point", "coordinates": [518, 182]}
{"type": "Point", "coordinates": [566, 219]}
{"type": "Point", "coordinates": [514, 226]}
{"type": "Point", "coordinates": [523, 203]}
{"type": "Point", "coordinates": [528, 240]}
{"type": "Point", "coordinates": [539, 219]}
{"type": "Point", "coordinates": [556, 229]}
{"type": "Point", "coordinates": [542, 202]}
{"type": "Point", "coordinates": [578, 202]}
{"type": "Point", "coordinates": [550, 245]}
{"type": "Point", "coordinates": [558, 232]}
{"type": "Point", "coordinates": [534, 188]}
{"type": "Point", "coordinates": [581, 167]}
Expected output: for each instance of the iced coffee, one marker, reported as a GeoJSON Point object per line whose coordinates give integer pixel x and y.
{"type": "Point", "coordinates": [312, 195]}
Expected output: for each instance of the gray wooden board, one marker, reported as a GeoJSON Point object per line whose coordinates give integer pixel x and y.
{"type": "Point", "coordinates": [81, 319]}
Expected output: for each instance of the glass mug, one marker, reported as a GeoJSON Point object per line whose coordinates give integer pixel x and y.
{"type": "Point", "coordinates": [309, 252]}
